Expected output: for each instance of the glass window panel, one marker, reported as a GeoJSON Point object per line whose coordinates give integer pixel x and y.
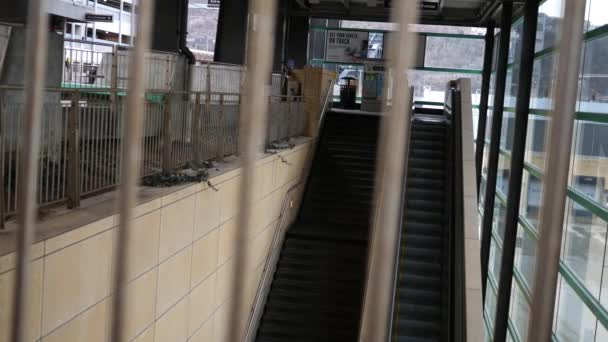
{"type": "Point", "coordinates": [525, 255]}
{"type": "Point", "coordinates": [430, 85]}
{"type": "Point", "coordinates": [601, 333]}
{"type": "Point", "coordinates": [594, 83]}
{"type": "Point", "coordinates": [531, 196]}
{"type": "Point", "coordinates": [549, 22]}
{"type": "Point", "coordinates": [543, 76]}
{"type": "Point", "coordinates": [511, 88]}
{"type": "Point", "coordinates": [520, 310]}
{"type": "Point", "coordinates": [516, 41]}
{"type": "Point", "coordinates": [575, 322]}
{"type": "Point", "coordinates": [597, 14]}
{"type": "Point", "coordinates": [536, 138]}
{"type": "Point", "coordinates": [503, 173]}
{"type": "Point", "coordinates": [475, 118]}
{"type": "Point", "coordinates": [436, 47]}
{"type": "Point", "coordinates": [506, 134]}
{"type": "Point", "coordinates": [498, 222]}
{"type": "Point", "coordinates": [585, 245]}
{"type": "Point", "coordinates": [495, 259]}
{"type": "Point", "coordinates": [482, 191]}
{"type": "Point", "coordinates": [376, 44]}
{"type": "Point", "coordinates": [490, 305]}
{"type": "Point", "coordinates": [590, 164]}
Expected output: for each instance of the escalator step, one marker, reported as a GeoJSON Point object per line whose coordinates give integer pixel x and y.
{"type": "Point", "coordinates": [417, 296]}
{"type": "Point", "coordinates": [420, 328]}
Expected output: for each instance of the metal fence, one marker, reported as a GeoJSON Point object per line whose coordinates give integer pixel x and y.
{"type": "Point", "coordinates": [82, 131]}
{"type": "Point", "coordinates": [102, 65]}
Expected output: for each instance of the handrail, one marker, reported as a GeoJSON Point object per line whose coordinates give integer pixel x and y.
{"type": "Point", "coordinates": [455, 256]}
{"type": "Point", "coordinates": [398, 245]}
{"type": "Point", "coordinates": [278, 237]}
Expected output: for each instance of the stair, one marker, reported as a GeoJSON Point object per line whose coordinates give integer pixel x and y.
{"type": "Point", "coordinates": [317, 289]}
{"type": "Point", "coordinates": [420, 287]}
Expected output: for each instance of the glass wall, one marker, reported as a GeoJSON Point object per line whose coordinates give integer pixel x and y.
{"type": "Point", "coordinates": [582, 293]}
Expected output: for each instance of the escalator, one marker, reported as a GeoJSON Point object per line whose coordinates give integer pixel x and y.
{"type": "Point", "coordinates": [421, 284]}
{"type": "Point", "coordinates": [318, 286]}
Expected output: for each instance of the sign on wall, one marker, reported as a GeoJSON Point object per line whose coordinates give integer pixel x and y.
{"type": "Point", "coordinates": [213, 3]}
{"type": "Point", "coordinates": [346, 46]}
{"type": "Point", "coordinates": [100, 18]}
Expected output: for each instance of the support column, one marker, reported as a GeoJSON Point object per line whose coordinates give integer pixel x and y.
{"type": "Point", "coordinates": [522, 110]}
{"type": "Point", "coordinates": [231, 37]}
{"type": "Point", "coordinates": [483, 102]}
{"type": "Point", "coordinates": [499, 97]}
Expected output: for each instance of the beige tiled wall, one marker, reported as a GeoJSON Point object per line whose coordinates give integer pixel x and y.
{"type": "Point", "coordinates": [180, 264]}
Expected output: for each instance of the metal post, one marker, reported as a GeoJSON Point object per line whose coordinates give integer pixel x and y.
{"type": "Point", "coordinates": [208, 80]}
{"type": "Point", "coordinates": [133, 123]}
{"type": "Point", "coordinates": [501, 78]}
{"type": "Point", "coordinates": [557, 170]}
{"type": "Point", "coordinates": [115, 70]}
{"type": "Point", "coordinates": [222, 130]}
{"type": "Point", "coordinates": [288, 135]}
{"type": "Point", "coordinates": [2, 161]}
{"type": "Point", "coordinates": [35, 62]}
{"type": "Point", "coordinates": [252, 116]}
{"type": "Point", "coordinates": [166, 158]}
{"type": "Point", "coordinates": [196, 130]}
{"type": "Point", "coordinates": [517, 168]}
{"type": "Point", "coordinates": [483, 102]}
{"type": "Point", "coordinates": [74, 152]}
{"type": "Point", "coordinates": [391, 165]}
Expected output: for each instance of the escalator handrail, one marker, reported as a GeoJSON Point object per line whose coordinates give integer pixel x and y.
{"type": "Point", "coordinates": [274, 252]}
{"type": "Point", "coordinates": [393, 313]}
{"type": "Point", "coordinates": [456, 310]}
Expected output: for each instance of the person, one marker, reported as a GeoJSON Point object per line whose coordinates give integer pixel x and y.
{"type": "Point", "coordinates": [593, 95]}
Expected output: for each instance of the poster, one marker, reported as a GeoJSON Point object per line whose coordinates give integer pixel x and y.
{"type": "Point", "coordinates": [346, 46]}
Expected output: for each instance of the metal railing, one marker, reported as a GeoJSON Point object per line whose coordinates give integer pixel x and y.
{"type": "Point", "coordinates": [82, 132]}
{"type": "Point", "coordinates": [88, 64]}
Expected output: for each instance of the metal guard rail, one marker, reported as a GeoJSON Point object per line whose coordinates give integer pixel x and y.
{"type": "Point", "coordinates": [274, 252]}
{"type": "Point", "coordinates": [455, 299]}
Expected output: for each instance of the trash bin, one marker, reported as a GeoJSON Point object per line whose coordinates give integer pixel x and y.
{"type": "Point", "coordinates": [348, 94]}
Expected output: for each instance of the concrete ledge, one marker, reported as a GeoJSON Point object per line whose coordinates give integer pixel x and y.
{"type": "Point", "coordinates": [61, 226]}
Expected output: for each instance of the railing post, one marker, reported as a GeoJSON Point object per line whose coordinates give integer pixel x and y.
{"type": "Point", "coordinates": [73, 181]}
{"type": "Point", "coordinates": [115, 69]}
{"type": "Point", "coordinates": [196, 131]}
{"type": "Point", "coordinates": [208, 79]}
{"type": "Point", "coordinates": [288, 135]}
{"type": "Point", "coordinates": [222, 130]}
{"type": "Point", "coordinates": [2, 155]}
{"type": "Point", "coordinates": [166, 160]}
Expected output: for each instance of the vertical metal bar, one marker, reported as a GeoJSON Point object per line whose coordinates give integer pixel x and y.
{"type": "Point", "coordinates": [166, 160]}
{"type": "Point", "coordinates": [35, 73]}
{"type": "Point", "coordinates": [517, 168]}
{"type": "Point", "coordinates": [196, 131]}
{"type": "Point", "coordinates": [390, 165]}
{"type": "Point", "coordinates": [288, 134]}
{"type": "Point", "coordinates": [74, 162]}
{"type": "Point", "coordinates": [130, 165]}
{"type": "Point", "coordinates": [2, 162]}
{"type": "Point", "coordinates": [499, 97]}
{"type": "Point", "coordinates": [253, 113]}
{"type": "Point", "coordinates": [222, 130]}
{"type": "Point", "coordinates": [2, 159]}
{"type": "Point", "coordinates": [557, 170]}
{"type": "Point", "coordinates": [483, 101]}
